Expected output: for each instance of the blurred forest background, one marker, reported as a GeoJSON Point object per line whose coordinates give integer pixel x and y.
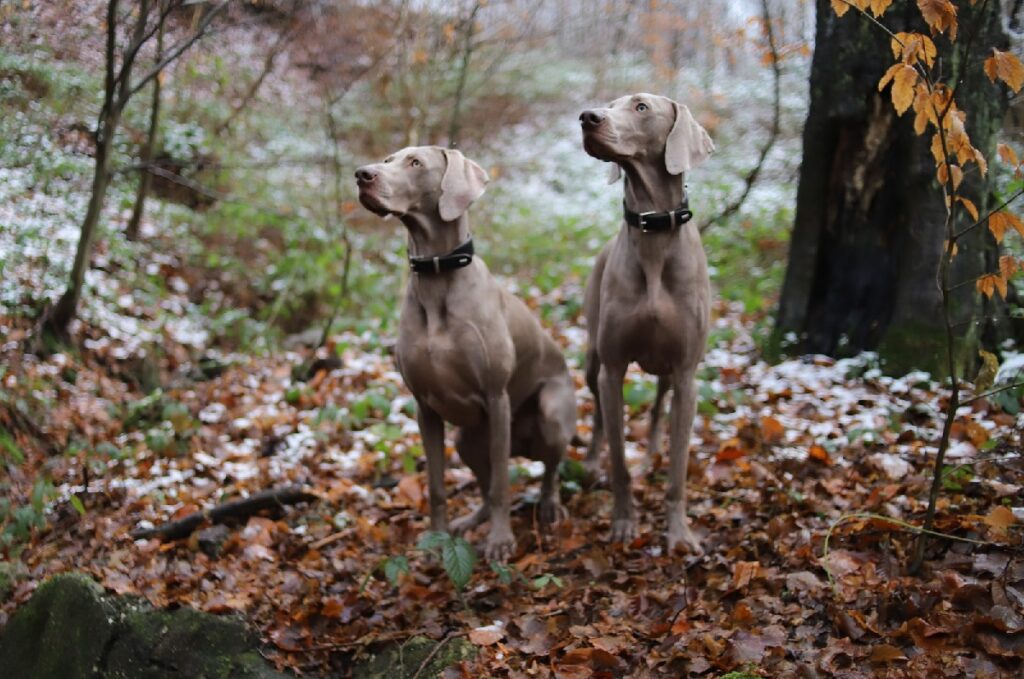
{"type": "Point", "coordinates": [194, 308]}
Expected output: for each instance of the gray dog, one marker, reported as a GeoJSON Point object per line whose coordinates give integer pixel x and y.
{"type": "Point", "coordinates": [471, 353]}
{"type": "Point", "coordinates": [648, 297]}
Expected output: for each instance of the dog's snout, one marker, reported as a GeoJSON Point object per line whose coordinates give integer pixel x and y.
{"type": "Point", "coordinates": [365, 175]}
{"type": "Point", "coordinates": [591, 118]}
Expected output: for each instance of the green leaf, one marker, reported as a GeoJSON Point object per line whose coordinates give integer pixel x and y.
{"type": "Point", "coordinates": [432, 540]}
{"type": "Point", "coordinates": [458, 557]}
{"type": "Point", "coordinates": [394, 567]}
{"type": "Point", "coordinates": [77, 504]}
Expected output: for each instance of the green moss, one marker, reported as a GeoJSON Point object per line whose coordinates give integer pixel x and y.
{"type": "Point", "coordinates": [404, 660]}
{"type": "Point", "coordinates": [915, 346]}
{"type": "Point", "coordinates": [60, 633]}
{"type": "Point", "coordinates": [70, 628]}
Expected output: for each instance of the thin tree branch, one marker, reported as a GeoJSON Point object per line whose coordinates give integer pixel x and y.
{"type": "Point", "coordinates": [991, 392]}
{"type": "Point", "coordinates": [177, 51]}
{"type": "Point", "coordinates": [773, 135]}
{"type": "Point", "coordinates": [967, 229]}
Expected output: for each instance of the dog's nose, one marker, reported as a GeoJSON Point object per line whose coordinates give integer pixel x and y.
{"type": "Point", "coordinates": [591, 118]}
{"type": "Point", "coordinates": [365, 175]}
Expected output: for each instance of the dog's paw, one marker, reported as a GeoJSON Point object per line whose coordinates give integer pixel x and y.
{"type": "Point", "coordinates": [680, 537]}
{"type": "Point", "coordinates": [500, 547]}
{"type": "Point", "coordinates": [470, 521]}
{"type": "Point", "coordinates": [624, 530]}
{"type": "Point", "coordinates": [552, 512]}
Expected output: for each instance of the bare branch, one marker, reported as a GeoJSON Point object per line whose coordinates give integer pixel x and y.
{"type": "Point", "coordinates": [177, 51]}
{"type": "Point", "coordinates": [773, 135]}
{"type": "Point", "coordinates": [991, 392]}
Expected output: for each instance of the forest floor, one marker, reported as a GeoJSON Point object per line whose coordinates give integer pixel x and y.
{"type": "Point", "coordinates": [805, 479]}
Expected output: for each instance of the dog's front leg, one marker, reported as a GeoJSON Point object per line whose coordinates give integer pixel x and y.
{"type": "Point", "coordinates": [500, 542]}
{"type": "Point", "coordinates": [432, 433]}
{"type": "Point", "coordinates": [684, 407]}
{"type": "Point", "coordinates": [623, 515]}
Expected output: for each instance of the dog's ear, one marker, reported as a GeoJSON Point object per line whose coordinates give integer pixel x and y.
{"type": "Point", "coordinates": [463, 182]}
{"type": "Point", "coordinates": [614, 172]}
{"type": "Point", "coordinates": [688, 144]}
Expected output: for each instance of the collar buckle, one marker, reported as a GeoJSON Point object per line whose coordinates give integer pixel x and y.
{"type": "Point", "coordinates": [642, 220]}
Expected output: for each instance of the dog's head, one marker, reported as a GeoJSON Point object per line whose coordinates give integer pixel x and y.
{"type": "Point", "coordinates": [645, 128]}
{"type": "Point", "coordinates": [425, 180]}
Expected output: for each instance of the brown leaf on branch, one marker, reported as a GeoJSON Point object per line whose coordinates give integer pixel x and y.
{"type": "Point", "coordinates": [986, 285]}
{"type": "Point", "coordinates": [940, 15]}
{"type": "Point", "coordinates": [1005, 66]}
{"type": "Point", "coordinates": [913, 47]}
{"type": "Point", "coordinates": [1008, 155]}
{"type": "Point", "coordinates": [903, 78]}
{"type": "Point", "coordinates": [999, 222]}
{"type": "Point", "coordinates": [1008, 266]}
{"type": "Point", "coordinates": [878, 7]}
{"type": "Point", "coordinates": [840, 7]}
{"type": "Point", "coordinates": [969, 205]}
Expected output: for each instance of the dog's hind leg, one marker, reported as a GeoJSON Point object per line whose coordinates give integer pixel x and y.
{"type": "Point", "coordinates": [471, 444]}
{"type": "Point", "coordinates": [556, 423]}
{"type": "Point", "coordinates": [592, 462]}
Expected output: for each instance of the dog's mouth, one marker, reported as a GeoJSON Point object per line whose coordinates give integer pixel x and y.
{"type": "Point", "coordinates": [598, 144]}
{"type": "Point", "coordinates": [373, 201]}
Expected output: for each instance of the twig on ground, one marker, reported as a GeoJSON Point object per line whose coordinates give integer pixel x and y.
{"type": "Point", "coordinates": [235, 509]}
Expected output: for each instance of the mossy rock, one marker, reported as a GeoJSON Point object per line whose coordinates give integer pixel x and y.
{"type": "Point", "coordinates": [72, 629]}
{"type": "Point", "coordinates": [401, 661]}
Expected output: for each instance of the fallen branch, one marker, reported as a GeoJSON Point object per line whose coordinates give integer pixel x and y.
{"type": "Point", "coordinates": [235, 509]}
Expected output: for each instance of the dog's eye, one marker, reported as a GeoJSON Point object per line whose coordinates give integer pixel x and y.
{"type": "Point", "coordinates": [388, 160]}
{"type": "Point", "coordinates": [415, 162]}
{"type": "Point", "coordinates": [641, 107]}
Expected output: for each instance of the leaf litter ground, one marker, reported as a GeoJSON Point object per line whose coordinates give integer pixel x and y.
{"type": "Point", "coordinates": [785, 458]}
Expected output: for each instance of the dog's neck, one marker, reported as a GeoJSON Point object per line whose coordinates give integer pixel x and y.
{"type": "Point", "coordinates": [650, 188]}
{"type": "Point", "coordinates": [431, 237]}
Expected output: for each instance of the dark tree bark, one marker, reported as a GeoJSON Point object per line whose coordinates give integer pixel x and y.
{"type": "Point", "coordinates": [119, 88]}
{"type": "Point", "coordinates": [868, 232]}
{"type": "Point", "coordinates": [131, 232]}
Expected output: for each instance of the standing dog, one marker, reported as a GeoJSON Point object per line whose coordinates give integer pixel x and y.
{"type": "Point", "coordinates": [471, 353]}
{"type": "Point", "coordinates": [649, 295]}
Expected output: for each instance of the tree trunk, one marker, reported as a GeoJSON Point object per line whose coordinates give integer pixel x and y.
{"type": "Point", "coordinates": [64, 311]}
{"type": "Point", "coordinates": [145, 175]}
{"type": "Point", "coordinates": [868, 232]}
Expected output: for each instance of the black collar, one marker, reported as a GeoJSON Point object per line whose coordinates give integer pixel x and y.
{"type": "Point", "coordinates": [456, 259]}
{"type": "Point", "coordinates": [658, 221]}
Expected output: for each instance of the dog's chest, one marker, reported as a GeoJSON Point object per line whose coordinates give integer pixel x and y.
{"type": "Point", "coordinates": [434, 363]}
{"type": "Point", "coordinates": [656, 317]}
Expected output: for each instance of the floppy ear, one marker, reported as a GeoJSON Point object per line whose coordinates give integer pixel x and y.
{"type": "Point", "coordinates": [688, 144]}
{"type": "Point", "coordinates": [614, 172]}
{"type": "Point", "coordinates": [463, 182]}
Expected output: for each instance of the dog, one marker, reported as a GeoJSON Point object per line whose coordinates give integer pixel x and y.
{"type": "Point", "coordinates": [471, 353]}
{"type": "Point", "coordinates": [648, 298]}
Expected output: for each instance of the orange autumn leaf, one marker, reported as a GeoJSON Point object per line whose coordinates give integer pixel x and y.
{"type": "Point", "coordinates": [1006, 67]}
{"type": "Point", "coordinates": [1008, 155]}
{"type": "Point", "coordinates": [878, 7]}
{"type": "Point", "coordinates": [818, 453]}
{"type": "Point", "coordinates": [1008, 266]}
{"type": "Point", "coordinates": [999, 222]}
{"type": "Point", "coordinates": [903, 79]}
{"type": "Point", "coordinates": [771, 429]}
{"type": "Point", "coordinates": [912, 47]}
{"type": "Point", "coordinates": [840, 7]}
{"type": "Point", "coordinates": [969, 205]}
{"type": "Point", "coordinates": [730, 450]}
{"type": "Point", "coordinates": [989, 283]}
{"type": "Point", "coordinates": [332, 608]}
{"type": "Point", "coordinates": [1000, 518]}
{"type": "Point", "coordinates": [940, 15]}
